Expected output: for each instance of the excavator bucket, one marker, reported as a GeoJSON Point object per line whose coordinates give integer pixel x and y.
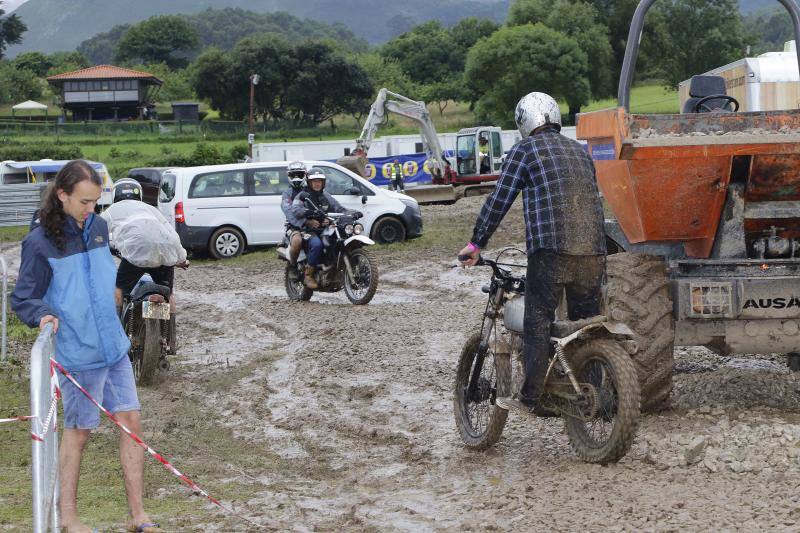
{"type": "Point", "coordinates": [354, 163]}
{"type": "Point", "coordinates": [432, 194]}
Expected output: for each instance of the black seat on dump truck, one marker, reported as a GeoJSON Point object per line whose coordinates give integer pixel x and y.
{"type": "Point", "coordinates": [703, 86]}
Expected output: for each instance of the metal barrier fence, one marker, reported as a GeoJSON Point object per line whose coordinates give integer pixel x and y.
{"type": "Point", "coordinates": [4, 312]}
{"type": "Point", "coordinates": [44, 446]}
{"type": "Point", "coordinates": [108, 128]}
{"type": "Point", "coordinates": [19, 202]}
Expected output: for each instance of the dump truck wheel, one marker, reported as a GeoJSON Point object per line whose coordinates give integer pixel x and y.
{"type": "Point", "coordinates": [638, 295]}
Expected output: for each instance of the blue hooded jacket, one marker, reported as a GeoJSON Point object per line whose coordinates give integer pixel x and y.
{"type": "Point", "coordinates": [77, 287]}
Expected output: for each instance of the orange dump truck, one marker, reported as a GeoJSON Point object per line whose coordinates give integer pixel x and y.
{"type": "Point", "coordinates": [705, 232]}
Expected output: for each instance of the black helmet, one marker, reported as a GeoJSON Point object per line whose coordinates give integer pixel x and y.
{"type": "Point", "coordinates": [297, 173]}
{"type": "Point", "coordinates": [316, 173]}
{"type": "Point", "coordinates": [127, 189]}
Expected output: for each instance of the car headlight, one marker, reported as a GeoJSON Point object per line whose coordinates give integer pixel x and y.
{"type": "Point", "coordinates": [410, 202]}
{"type": "Point", "coordinates": [348, 229]}
{"type": "Point", "coordinates": [358, 229]}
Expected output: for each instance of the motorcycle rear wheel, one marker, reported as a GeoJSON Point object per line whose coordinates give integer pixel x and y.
{"type": "Point", "coordinates": [361, 289]}
{"type": "Point", "coordinates": [479, 420]}
{"type": "Point", "coordinates": [145, 362]}
{"type": "Point", "coordinates": [296, 290]}
{"type": "Point", "coordinates": [608, 435]}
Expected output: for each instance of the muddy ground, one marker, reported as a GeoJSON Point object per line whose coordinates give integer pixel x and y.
{"type": "Point", "coordinates": [340, 417]}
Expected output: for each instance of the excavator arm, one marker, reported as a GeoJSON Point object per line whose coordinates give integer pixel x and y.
{"type": "Point", "coordinates": [389, 102]}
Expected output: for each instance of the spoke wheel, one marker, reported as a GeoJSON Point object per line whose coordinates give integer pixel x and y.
{"type": "Point", "coordinates": [295, 288]}
{"type": "Point", "coordinates": [479, 421]}
{"type": "Point", "coordinates": [362, 286]}
{"type": "Point", "coordinates": [601, 426]}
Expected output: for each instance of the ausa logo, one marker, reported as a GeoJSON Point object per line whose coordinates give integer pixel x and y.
{"type": "Point", "coordinates": [772, 303]}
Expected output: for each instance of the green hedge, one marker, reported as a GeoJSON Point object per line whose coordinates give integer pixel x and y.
{"type": "Point", "coordinates": [32, 152]}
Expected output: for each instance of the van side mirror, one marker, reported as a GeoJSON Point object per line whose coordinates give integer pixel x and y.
{"type": "Point", "coordinates": [364, 199]}
{"type": "Point", "coordinates": [355, 191]}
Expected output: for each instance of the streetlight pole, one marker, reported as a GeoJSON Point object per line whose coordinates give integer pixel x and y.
{"type": "Point", "coordinates": [250, 131]}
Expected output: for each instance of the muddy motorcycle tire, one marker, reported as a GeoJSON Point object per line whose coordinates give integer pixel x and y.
{"type": "Point", "coordinates": [295, 290]}
{"type": "Point", "coordinates": [144, 370]}
{"type": "Point", "coordinates": [638, 295]}
{"type": "Point", "coordinates": [474, 433]}
{"type": "Point", "coordinates": [604, 364]}
{"type": "Point", "coordinates": [360, 258]}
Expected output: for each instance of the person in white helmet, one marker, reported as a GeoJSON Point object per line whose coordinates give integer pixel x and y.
{"type": "Point", "coordinates": [296, 171]}
{"type": "Point", "coordinates": [565, 237]}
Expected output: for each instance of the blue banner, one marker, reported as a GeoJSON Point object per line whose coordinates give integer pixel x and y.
{"type": "Point", "coordinates": [415, 168]}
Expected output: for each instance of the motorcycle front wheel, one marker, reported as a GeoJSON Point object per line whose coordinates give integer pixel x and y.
{"type": "Point", "coordinates": [296, 289]}
{"type": "Point", "coordinates": [146, 358]}
{"type": "Point", "coordinates": [605, 433]}
{"type": "Point", "coordinates": [479, 420]}
{"type": "Point", "coordinates": [362, 286]}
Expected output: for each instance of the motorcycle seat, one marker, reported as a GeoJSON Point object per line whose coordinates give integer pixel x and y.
{"type": "Point", "coordinates": [141, 291]}
{"type": "Point", "coordinates": [565, 328]}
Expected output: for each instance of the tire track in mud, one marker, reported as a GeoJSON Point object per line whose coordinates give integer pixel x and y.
{"type": "Point", "coordinates": [357, 402]}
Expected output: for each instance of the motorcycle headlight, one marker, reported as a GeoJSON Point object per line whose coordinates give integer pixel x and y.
{"type": "Point", "coordinates": [348, 229]}
{"type": "Point", "coordinates": [358, 229]}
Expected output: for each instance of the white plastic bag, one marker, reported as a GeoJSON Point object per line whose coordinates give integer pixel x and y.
{"type": "Point", "coordinates": [142, 235]}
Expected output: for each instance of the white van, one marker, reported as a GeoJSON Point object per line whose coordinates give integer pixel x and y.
{"type": "Point", "coordinates": [225, 208]}
{"type": "Point", "coordinates": [35, 173]}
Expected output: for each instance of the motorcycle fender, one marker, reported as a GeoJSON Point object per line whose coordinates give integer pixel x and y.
{"type": "Point", "coordinates": [618, 328]}
{"type": "Point", "coordinates": [360, 238]}
{"type": "Point", "coordinates": [283, 253]}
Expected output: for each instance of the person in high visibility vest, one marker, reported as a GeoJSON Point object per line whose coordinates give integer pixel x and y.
{"type": "Point", "coordinates": [483, 154]}
{"type": "Point", "coordinates": [396, 177]}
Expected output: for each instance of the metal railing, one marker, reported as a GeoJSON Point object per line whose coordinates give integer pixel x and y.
{"type": "Point", "coordinates": [4, 312]}
{"type": "Point", "coordinates": [19, 202]}
{"type": "Point", "coordinates": [44, 446]}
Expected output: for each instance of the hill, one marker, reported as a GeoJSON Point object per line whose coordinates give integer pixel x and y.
{"type": "Point", "coordinates": [223, 28]}
{"type": "Point", "coordinates": [56, 25]}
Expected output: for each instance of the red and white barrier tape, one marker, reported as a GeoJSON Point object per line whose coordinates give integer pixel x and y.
{"type": "Point", "coordinates": [189, 483]}
{"type": "Point", "coordinates": [52, 415]}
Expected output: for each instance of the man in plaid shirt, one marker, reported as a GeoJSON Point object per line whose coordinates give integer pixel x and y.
{"type": "Point", "coordinates": [565, 237]}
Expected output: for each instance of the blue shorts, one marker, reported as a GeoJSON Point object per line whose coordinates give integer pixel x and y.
{"type": "Point", "coordinates": [112, 386]}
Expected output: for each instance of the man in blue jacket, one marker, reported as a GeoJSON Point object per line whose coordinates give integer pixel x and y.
{"type": "Point", "coordinates": [67, 279]}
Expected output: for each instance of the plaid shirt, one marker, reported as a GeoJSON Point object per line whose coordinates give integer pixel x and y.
{"type": "Point", "coordinates": [563, 212]}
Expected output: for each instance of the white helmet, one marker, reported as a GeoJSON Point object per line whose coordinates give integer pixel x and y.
{"type": "Point", "coordinates": [534, 110]}
{"type": "Point", "coordinates": [297, 173]}
{"type": "Point", "coordinates": [316, 173]}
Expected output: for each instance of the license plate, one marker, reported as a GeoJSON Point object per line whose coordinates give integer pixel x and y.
{"type": "Point", "coordinates": [159, 311]}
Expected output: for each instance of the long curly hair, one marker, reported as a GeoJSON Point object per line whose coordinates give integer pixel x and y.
{"type": "Point", "coordinates": [51, 215]}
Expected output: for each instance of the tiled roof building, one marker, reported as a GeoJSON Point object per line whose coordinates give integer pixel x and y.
{"type": "Point", "coordinates": [106, 92]}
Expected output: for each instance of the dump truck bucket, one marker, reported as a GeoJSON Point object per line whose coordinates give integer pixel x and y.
{"type": "Point", "coordinates": [354, 163]}
{"type": "Point", "coordinates": [666, 177]}
{"type": "Point", "coordinates": [432, 194]}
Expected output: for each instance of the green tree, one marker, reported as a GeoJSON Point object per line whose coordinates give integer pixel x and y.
{"type": "Point", "coordinates": [208, 78]}
{"type": "Point", "coordinates": [36, 62]}
{"type": "Point", "coordinates": [517, 60]}
{"type": "Point", "coordinates": [157, 40]}
{"type": "Point", "coordinates": [426, 53]}
{"type": "Point", "coordinates": [11, 30]}
{"type": "Point", "coordinates": [327, 84]}
{"type": "Point", "coordinates": [18, 84]}
{"type": "Point", "coordinates": [703, 35]}
{"type": "Point", "coordinates": [66, 62]}
{"type": "Point", "coordinates": [465, 34]}
{"type": "Point", "coordinates": [769, 29]}
{"type": "Point", "coordinates": [384, 72]}
{"type": "Point", "coordinates": [578, 20]}
{"type": "Point", "coordinates": [177, 82]}
{"type": "Point", "coordinates": [99, 50]}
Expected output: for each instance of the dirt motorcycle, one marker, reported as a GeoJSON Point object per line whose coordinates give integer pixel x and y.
{"type": "Point", "coordinates": [150, 328]}
{"type": "Point", "coordinates": [346, 264]}
{"type": "Point", "coordinates": [591, 382]}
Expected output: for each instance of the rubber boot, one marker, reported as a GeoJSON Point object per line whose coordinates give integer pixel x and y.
{"type": "Point", "coordinates": [309, 280]}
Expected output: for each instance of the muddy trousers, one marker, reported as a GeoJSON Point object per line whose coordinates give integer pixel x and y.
{"type": "Point", "coordinates": [549, 275]}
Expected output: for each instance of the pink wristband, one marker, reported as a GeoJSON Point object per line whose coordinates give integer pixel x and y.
{"type": "Point", "coordinates": [472, 247]}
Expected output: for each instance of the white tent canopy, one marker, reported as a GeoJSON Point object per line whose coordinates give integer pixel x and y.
{"type": "Point", "coordinates": [29, 104]}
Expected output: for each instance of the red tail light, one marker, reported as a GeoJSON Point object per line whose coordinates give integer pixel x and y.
{"type": "Point", "coordinates": [179, 212]}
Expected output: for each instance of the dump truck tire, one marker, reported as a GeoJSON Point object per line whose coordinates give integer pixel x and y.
{"type": "Point", "coordinates": [639, 296]}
